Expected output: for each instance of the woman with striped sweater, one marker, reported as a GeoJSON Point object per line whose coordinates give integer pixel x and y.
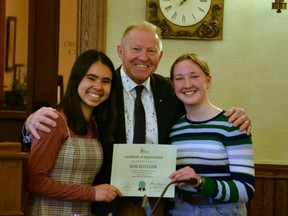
{"type": "Point", "coordinates": [210, 149]}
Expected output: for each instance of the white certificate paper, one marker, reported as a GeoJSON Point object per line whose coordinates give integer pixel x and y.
{"type": "Point", "coordinates": [143, 169]}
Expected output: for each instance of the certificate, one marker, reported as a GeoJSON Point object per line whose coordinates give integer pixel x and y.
{"type": "Point", "coordinates": [143, 169]}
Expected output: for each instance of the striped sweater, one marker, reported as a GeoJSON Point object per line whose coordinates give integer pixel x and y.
{"type": "Point", "coordinates": [220, 152]}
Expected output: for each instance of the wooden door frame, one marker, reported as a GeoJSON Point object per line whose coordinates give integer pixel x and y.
{"type": "Point", "coordinates": [91, 25]}
{"type": "Point", "coordinates": [2, 47]}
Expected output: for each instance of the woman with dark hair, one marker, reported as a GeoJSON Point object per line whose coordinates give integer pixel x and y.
{"type": "Point", "coordinates": [63, 164]}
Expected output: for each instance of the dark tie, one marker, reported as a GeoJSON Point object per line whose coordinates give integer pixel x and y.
{"type": "Point", "coordinates": [139, 115]}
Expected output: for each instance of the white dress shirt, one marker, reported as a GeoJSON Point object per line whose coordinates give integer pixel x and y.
{"type": "Point", "coordinates": [129, 95]}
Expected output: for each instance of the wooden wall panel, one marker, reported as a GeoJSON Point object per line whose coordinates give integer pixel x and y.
{"type": "Point", "coordinates": [11, 174]}
{"type": "Point", "coordinates": [281, 194]}
{"type": "Point", "coordinates": [271, 191]}
{"type": "Point", "coordinates": [270, 199]}
{"type": "Point", "coordinates": [263, 202]}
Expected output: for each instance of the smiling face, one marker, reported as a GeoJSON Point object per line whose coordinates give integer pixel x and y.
{"type": "Point", "coordinates": [190, 83]}
{"type": "Point", "coordinates": [95, 87]}
{"type": "Point", "coordinates": [140, 54]}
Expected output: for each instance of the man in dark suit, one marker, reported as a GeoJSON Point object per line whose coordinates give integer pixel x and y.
{"type": "Point", "coordinates": [140, 52]}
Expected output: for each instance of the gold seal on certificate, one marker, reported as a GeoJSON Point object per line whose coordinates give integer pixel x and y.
{"type": "Point", "coordinates": [143, 169]}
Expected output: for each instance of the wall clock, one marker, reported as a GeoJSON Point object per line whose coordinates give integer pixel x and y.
{"type": "Point", "coordinates": [187, 19]}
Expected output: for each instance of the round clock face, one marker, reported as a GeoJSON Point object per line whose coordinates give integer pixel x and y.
{"type": "Point", "coordinates": [185, 12]}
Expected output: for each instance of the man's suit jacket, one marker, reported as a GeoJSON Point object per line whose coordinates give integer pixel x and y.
{"type": "Point", "coordinates": [168, 110]}
{"type": "Point", "coordinates": [168, 107]}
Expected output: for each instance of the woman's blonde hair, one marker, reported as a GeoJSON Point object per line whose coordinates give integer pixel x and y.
{"type": "Point", "coordinates": [194, 58]}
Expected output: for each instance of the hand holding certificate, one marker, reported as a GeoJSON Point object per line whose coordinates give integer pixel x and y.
{"type": "Point", "coordinates": [143, 169]}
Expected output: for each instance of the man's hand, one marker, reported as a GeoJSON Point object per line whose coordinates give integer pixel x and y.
{"type": "Point", "coordinates": [106, 193]}
{"type": "Point", "coordinates": [238, 117]}
{"type": "Point", "coordinates": [37, 120]}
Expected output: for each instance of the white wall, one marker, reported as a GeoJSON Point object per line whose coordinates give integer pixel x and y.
{"type": "Point", "coordinates": [249, 66]}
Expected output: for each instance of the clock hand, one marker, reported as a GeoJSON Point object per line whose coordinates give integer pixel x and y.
{"type": "Point", "coordinates": [182, 2]}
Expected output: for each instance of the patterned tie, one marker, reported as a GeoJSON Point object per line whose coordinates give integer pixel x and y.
{"type": "Point", "coordinates": [139, 115]}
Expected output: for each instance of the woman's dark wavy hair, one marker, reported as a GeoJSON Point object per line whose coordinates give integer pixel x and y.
{"type": "Point", "coordinates": [104, 114]}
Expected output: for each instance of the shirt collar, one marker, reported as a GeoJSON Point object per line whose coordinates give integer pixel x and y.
{"type": "Point", "coordinates": [129, 84]}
